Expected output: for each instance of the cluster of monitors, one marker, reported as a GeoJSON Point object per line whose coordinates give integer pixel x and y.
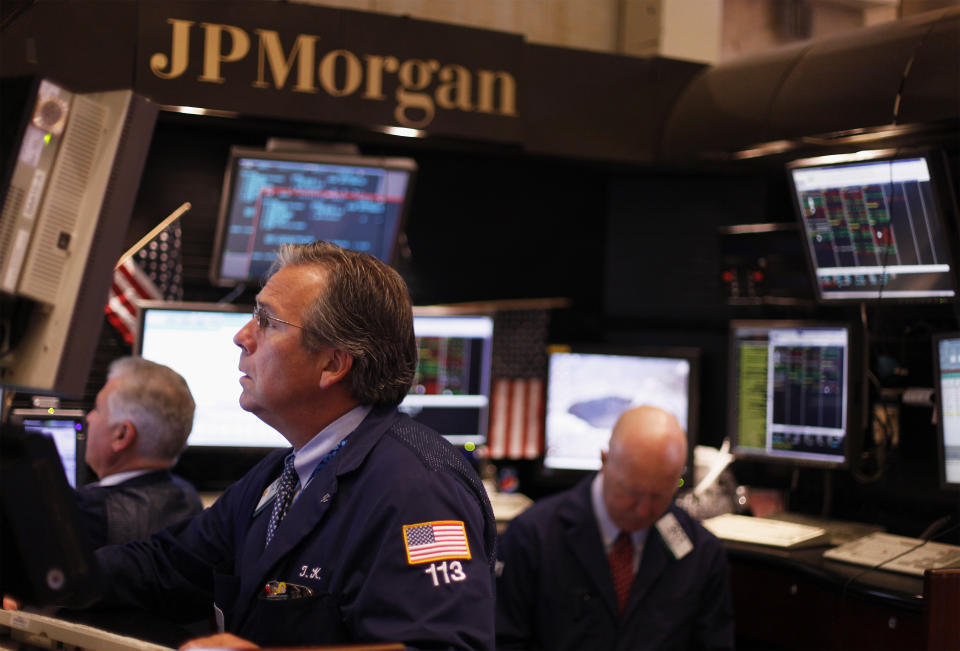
{"type": "Point", "coordinates": [876, 223]}
{"type": "Point", "coordinates": [792, 394]}
{"type": "Point", "coordinates": [450, 392]}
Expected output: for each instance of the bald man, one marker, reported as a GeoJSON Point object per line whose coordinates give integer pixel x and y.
{"type": "Point", "coordinates": [613, 563]}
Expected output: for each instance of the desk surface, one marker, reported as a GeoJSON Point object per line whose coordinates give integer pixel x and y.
{"type": "Point", "coordinates": [902, 589]}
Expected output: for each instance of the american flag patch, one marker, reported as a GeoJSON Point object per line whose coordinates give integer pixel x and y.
{"type": "Point", "coordinates": [435, 541]}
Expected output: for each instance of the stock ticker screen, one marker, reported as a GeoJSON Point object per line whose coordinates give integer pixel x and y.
{"type": "Point", "coordinates": [791, 391]}
{"type": "Point", "coordinates": [874, 230]}
{"type": "Point", "coordinates": [271, 200]}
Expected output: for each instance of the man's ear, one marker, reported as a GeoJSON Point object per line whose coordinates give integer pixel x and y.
{"type": "Point", "coordinates": [124, 436]}
{"type": "Point", "coordinates": [336, 364]}
{"type": "Point", "coordinates": [603, 458]}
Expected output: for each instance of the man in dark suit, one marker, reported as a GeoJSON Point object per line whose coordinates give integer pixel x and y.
{"type": "Point", "coordinates": [612, 563]}
{"type": "Point", "coordinates": [372, 528]}
{"type": "Point", "coordinates": [135, 432]}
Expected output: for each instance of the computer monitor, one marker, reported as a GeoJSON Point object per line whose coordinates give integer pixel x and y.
{"type": "Point", "coordinates": [67, 429]}
{"type": "Point", "coordinates": [45, 556]}
{"type": "Point", "coordinates": [450, 393]}
{"type": "Point", "coordinates": [946, 356]}
{"type": "Point", "coordinates": [271, 198]}
{"type": "Point", "coordinates": [588, 387]}
{"type": "Point", "coordinates": [451, 388]}
{"type": "Point", "coordinates": [791, 391]}
{"type": "Point", "coordinates": [196, 341]}
{"type": "Point", "coordinates": [878, 225]}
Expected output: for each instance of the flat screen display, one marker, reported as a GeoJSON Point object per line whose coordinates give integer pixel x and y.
{"type": "Point", "coordinates": [67, 428]}
{"type": "Point", "coordinates": [877, 228]}
{"type": "Point", "coordinates": [790, 391]}
{"type": "Point", "coordinates": [947, 387]}
{"type": "Point", "coordinates": [587, 390]}
{"type": "Point", "coordinates": [451, 389]}
{"type": "Point", "coordinates": [196, 341]}
{"type": "Point", "coordinates": [272, 198]}
{"type": "Point", "coordinates": [450, 392]}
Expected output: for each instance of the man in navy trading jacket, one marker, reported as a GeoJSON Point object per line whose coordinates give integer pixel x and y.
{"type": "Point", "coordinates": [612, 563]}
{"type": "Point", "coordinates": [372, 528]}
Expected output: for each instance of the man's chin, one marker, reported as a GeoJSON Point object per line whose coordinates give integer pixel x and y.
{"type": "Point", "coordinates": [247, 403]}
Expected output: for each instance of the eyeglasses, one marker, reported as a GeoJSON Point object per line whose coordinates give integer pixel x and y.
{"type": "Point", "coordinates": [263, 319]}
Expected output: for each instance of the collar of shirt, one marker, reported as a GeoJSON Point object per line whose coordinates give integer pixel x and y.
{"type": "Point", "coordinates": [305, 459]}
{"type": "Point", "coordinates": [120, 477]}
{"type": "Point", "coordinates": [608, 530]}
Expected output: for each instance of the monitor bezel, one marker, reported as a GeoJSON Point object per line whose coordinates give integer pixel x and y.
{"type": "Point", "coordinates": [308, 156]}
{"type": "Point", "coordinates": [938, 406]}
{"type": "Point", "coordinates": [20, 414]}
{"type": "Point", "coordinates": [854, 387]}
{"type": "Point", "coordinates": [189, 306]}
{"type": "Point", "coordinates": [946, 205]}
{"type": "Point", "coordinates": [468, 442]}
{"type": "Point", "coordinates": [568, 476]}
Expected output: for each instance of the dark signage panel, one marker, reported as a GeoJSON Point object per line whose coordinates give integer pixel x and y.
{"type": "Point", "coordinates": [318, 64]}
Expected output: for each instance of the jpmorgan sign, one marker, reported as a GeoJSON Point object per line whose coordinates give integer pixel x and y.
{"type": "Point", "coordinates": [283, 63]}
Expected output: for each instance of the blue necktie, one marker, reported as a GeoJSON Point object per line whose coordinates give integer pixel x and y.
{"type": "Point", "coordinates": [287, 487]}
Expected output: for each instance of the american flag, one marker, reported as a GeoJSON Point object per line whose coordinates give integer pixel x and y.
{"type": "Point", "coordinates": [154, 272]}
{"type": "Point", "coordinates": [519, 384]}
{"type": "Point", "coordinates": [435, 541]}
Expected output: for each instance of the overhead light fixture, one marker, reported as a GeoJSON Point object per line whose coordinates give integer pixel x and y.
{"type": "Point", "coordinates": [866, 134]}
{"type": "Point", "coordinates": [196, 110]}
{"type": "Point", "coordinates": [832, 159]}
{"type": "Point", "coordinates": [404, 132]}
{"type": "Point", "coordinates": [764, 149]}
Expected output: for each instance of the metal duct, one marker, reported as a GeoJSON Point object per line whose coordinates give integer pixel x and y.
{"type": "Point", "coordinates": [882, 79]}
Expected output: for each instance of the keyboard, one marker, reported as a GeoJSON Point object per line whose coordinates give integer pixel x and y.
{"type": "Point", "coordinates": [886, 551]}
{"type": "Point", "coordinates": [764, 531]}
{"type": "Point", "coordinates": [43, 632]}
{"type": "Point", "coordinates": [507, 506]}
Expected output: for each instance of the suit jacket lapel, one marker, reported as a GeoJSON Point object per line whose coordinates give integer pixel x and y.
{"type": "Point", "coordinates": [302, 518]}
{"type": "Point", "coordinates": [585, 543]}
{"type": "Point", "coordinates": [307, 512]}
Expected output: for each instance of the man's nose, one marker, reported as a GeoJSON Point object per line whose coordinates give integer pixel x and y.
{"type": "Point", "coordinates": [245, 338]}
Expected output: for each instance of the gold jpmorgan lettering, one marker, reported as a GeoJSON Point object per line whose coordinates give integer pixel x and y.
{"type": "Point", "coordinates": [423, 86]}
{"type": "Point", "coordinates": [270, 48]}
{"type": "Point", "coordinates": [212, 49]}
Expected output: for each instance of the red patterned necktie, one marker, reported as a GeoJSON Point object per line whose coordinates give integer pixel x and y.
{"type": "Point", "coordinates": [621, 565]}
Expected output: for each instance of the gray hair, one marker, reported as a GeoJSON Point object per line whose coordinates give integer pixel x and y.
{"type": "Point", "coordinates": [364, 310]}
{"type": "Point", "coordinates": [157, 400]}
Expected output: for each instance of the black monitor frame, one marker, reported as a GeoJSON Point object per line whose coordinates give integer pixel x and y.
{"type": "Point", "coordinates": [46, 558]}
{"type": "Point", "coordinates": [434, 412]}
{"type": "Point", "coordinates": [944, 209]}
{"type": "Point", "coordinates": [230, 190]}
{"type": "Point", "coordinates": [854, 384]}
{"type": "Point", "coordinates": [146, 308]}
{"type": "Point", "coordinates": [566, 477]}
{"type": "Point", "coordinates": [76, 416]}
{"type": "Point", "coordinates": [938, 370]}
